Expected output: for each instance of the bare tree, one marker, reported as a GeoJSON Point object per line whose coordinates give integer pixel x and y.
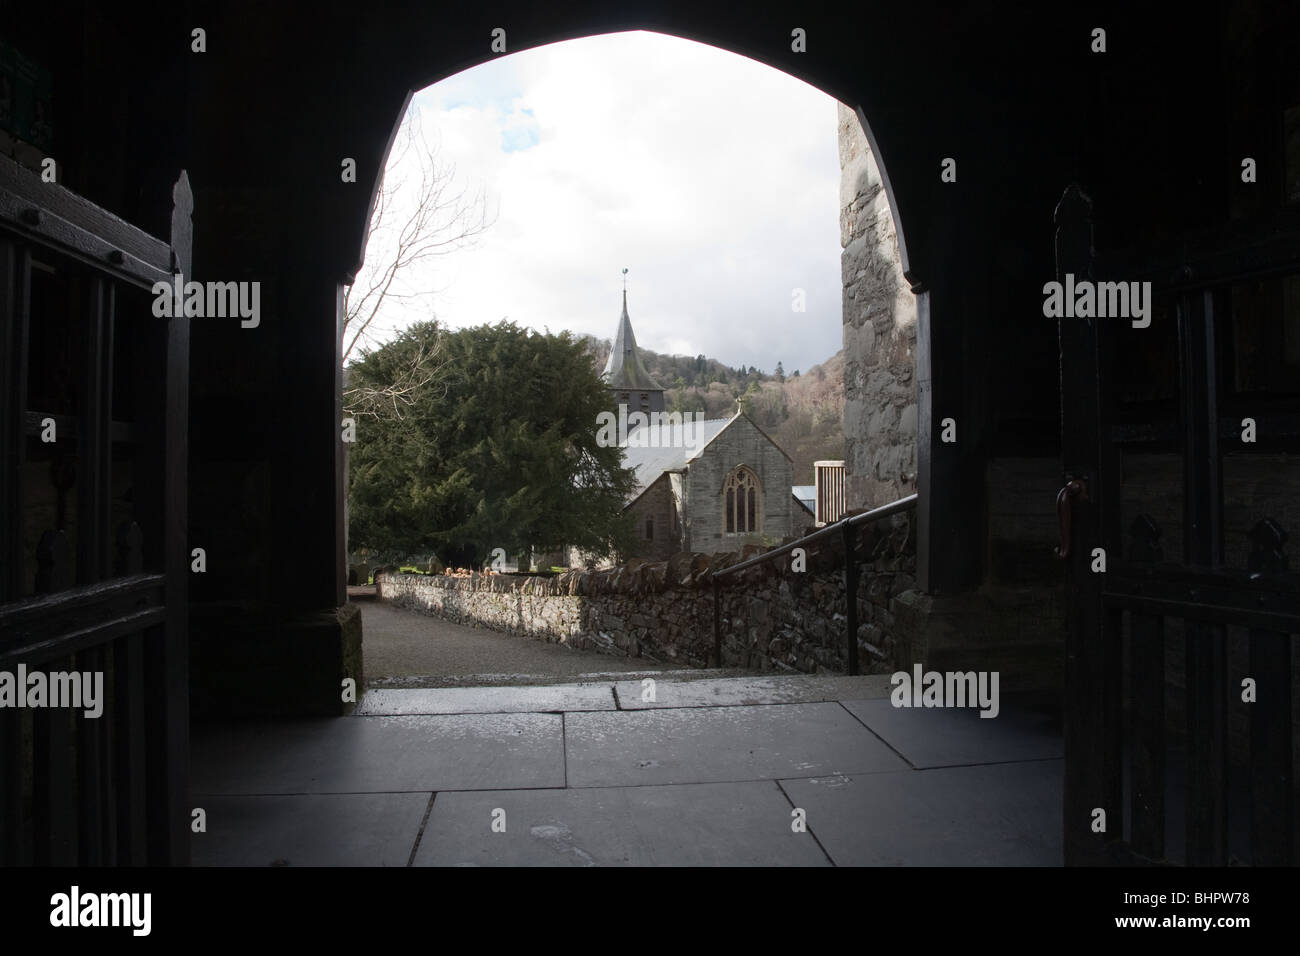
{"type": "Point", "coordinates": [420, 214]}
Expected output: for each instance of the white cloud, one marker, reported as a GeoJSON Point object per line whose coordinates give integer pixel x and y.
{"type": "Point", "coordinates": [713, 178]}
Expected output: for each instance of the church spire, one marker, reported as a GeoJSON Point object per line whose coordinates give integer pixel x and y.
{"type": "Point", "coordinates": [625, 318]}
{"type": "Point", "coordinates": [624, 369]}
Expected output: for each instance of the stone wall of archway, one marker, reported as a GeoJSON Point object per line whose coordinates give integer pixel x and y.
{"type": "Point", "coordinates": [880, 399]}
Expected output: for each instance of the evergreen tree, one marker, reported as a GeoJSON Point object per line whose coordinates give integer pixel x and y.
{"type": "Point", "coordinates": [499, 451]}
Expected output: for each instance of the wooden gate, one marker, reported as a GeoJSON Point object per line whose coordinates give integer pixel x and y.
{"type": "Point", "coordinates": [1189, 605]}
{"type": "Point", "coordinates": [93, 559]}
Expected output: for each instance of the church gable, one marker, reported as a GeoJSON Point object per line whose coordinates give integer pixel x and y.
{"type": "Point", "coordinates": [729, 489]}
{"type": "Point", "coordinates": [738, 485]}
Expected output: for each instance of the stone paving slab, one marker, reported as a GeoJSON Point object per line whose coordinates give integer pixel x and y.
{"type": "Point", "coordinates": [741, 691]}
{"type": "Point", "coordinates": [951, 736]}
{"type": "Point", "coordinates": [334, 829]}
{"type": "Point", "coordinates": [715, 824]}
{"type": "Point", "coordinates": [634, 748]}
{"type": "Point", "coordinates": [554, 698]}
{"type": "Point", "coordinates": [704, 775]}
{"type": "Point", "coordinates": [999, 815]}
{"type": "Point", "coordinates": [380, 754]}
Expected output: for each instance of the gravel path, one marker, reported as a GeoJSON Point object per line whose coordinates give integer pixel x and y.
{"type": "Point", "coordinates": [404, 648]}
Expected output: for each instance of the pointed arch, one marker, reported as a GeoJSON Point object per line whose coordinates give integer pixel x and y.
{"type": "Point", "coordinates": [742, 501]}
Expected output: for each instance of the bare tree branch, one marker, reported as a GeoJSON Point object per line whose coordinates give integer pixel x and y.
{"type": "Point", "coordinates": [363, 400]}
{"type": "Point", "coordinates": [441, 220]}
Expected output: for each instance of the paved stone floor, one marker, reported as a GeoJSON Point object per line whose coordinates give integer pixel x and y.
{"type": "Point", "coordinates": [711, 772]}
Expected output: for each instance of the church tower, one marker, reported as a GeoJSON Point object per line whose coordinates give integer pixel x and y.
{"type": "Point", "coordinates": [627, 379]}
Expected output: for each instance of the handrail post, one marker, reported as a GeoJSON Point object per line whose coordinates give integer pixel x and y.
{"type": "Point", "coordinates": [851, 594]}
{"type": "Point", "coordinates": [717, 623]}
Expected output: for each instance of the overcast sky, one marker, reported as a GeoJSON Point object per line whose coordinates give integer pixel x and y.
{"type": "Point", "coordinates": [712, 178]}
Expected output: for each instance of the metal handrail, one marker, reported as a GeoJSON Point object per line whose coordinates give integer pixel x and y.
{"type": "Point", "coordinates": [847, 527]}
{"type": "Point", "coordinates": [884, 511]}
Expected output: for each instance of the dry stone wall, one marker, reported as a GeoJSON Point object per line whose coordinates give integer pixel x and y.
{"type": "Point", "coordinates": [773, 618]}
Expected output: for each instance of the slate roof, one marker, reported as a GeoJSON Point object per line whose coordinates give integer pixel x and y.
{"type": "Point", "coordinates": [670, 453]}
{"type": "Point", "coordinates": [624, 368]}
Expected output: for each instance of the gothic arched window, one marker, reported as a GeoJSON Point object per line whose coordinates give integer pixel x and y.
{"type": "Point", "coordinates": [742, 502]}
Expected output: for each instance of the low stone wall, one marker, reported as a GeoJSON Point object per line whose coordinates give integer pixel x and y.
{"type": "Point", "coordinates": [773, 618]}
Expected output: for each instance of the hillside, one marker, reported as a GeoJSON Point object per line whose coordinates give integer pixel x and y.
{"type": "Point", "coordinates": [803, 412]}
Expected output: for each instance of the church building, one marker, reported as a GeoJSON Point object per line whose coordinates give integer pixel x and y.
{"type": "Point", "coordinates": [705, 486]}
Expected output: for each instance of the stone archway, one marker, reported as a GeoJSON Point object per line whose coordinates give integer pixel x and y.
{"type": "Point", "coordinates": [286, 214]}
{"type": "Point", "coordinates": [863, 490]}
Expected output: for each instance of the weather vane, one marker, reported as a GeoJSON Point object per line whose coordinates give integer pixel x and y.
{"type": "Point", "coordinates": [624, 280]}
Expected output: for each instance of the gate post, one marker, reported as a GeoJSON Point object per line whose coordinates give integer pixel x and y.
{"type": "Point", "coordinates": [1092, 644]}
{"type": "Point", "coordinates": [1207, 645]}
{"type": "Point", "coordinates": [1271, 815]}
